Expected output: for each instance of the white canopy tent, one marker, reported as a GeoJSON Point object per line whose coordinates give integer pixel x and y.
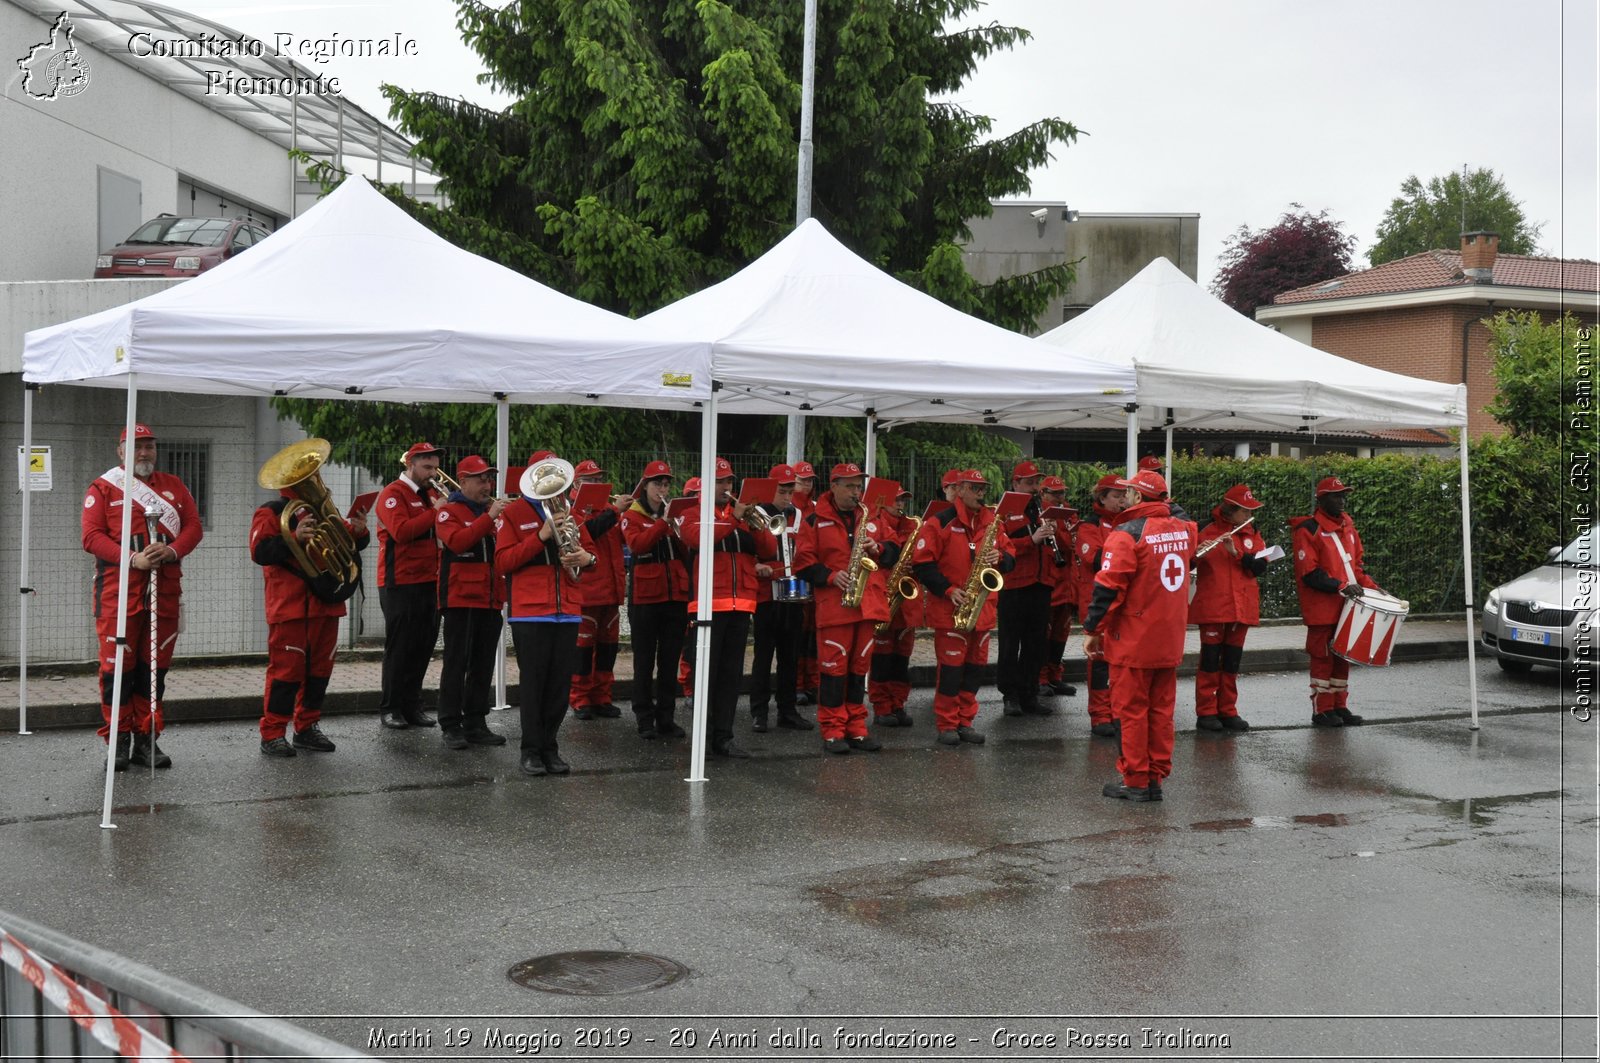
{"type": "Point", "coordinates": [1215, 368]}
{"type": "Point", "coordinates": [811, 326]}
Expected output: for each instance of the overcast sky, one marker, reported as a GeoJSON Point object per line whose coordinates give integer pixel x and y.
{"type": "Point", "coordinates": [1232, 109]}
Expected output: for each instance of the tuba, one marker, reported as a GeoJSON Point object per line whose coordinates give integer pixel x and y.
{"type": "Point", "coordinates": [328, 559]}
{"type": "Point", "coordinates": [548, 482]}
{"type": "Point", "coordinates": [981, 582]}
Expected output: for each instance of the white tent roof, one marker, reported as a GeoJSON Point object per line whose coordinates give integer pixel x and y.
{"type": "Point", "coordinates": [355, 294]}
{"type": "Point", "coordinates": [1195, 354]}
{"type": "Point", "coordinates": [811, 322]}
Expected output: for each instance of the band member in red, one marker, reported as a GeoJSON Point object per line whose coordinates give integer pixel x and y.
{"type": "Point", "coordinates": [947, 551]}
{"type": "Point", "coordinates": [1327, 570]}
{"type": "Point", "coordinates": [778, 625]}
{"type": "Point", "coordinates": [1138, 618]}
{"type": "Point", "coordinates": [1063, 591]}
{"type": "Point", "coordinates": [470, 596]}
{"type": "Point", "coordinates": [806, 674]}
{"type": "Point", "coordinates": [1108, 501]}
{"type": "Point", "coordinates": [658, 598]}
{"type": "Point", "coordinates": [736, 549]}
{"type": "Point", "coordinates": [1226, 605]}
{"type": "Point", "coordinates": [542, 554]}
{"type": "Point", "coordinates": [889, 683]}
{"type": "Point", "coordinates": [1151, 463]}
{"type": "Point", "coordinates": [302, 628]}
{"type": "Point", "coordinates": [408, 576]}
{"type": "Point", "coordinates": [178, 531]}
{"type": "Point", "coordinates": [601, 592]}
{"type": "Point", "coordinates": [1025, 600]}
{"type": "Point", "coordinates": [831, 536]}
{"type": "Point", "coordinates": [691, 489]}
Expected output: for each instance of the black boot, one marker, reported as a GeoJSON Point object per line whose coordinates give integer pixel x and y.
{"type": "Point", "coordinates": [789, 718]}
{"type": "Point", "coordinates": [124, 750]}
{"type": "Point", "coordinates": [758, 718]}
{"type": "Point", "coordinates": [145, 752]}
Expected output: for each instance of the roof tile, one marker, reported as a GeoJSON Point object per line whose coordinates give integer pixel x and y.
{"type": "Point", "coordinates": [1442, 269]}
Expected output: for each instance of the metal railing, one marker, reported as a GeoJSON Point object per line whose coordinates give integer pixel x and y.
{"type": "Point", "coordinates": [61, 999]}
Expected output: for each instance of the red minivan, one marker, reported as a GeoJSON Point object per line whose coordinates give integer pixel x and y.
{"type": "Point", "coordinates": [172, 246]}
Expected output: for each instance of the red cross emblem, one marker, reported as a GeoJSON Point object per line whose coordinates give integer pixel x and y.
{"type": "Point", "coordinates": [1172, 572]}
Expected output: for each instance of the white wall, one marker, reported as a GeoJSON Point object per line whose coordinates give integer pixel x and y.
{"type": "Point", "coordinates": [125, 122]}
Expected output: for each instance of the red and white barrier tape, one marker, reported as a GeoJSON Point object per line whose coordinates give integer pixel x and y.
{"type": "Point", "coordinates": [105, 1023]}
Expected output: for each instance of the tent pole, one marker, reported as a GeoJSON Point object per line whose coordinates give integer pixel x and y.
{"type": "Point", "coordinates": [796, 446]}
{"type": "Point", "coordinates": [870, 463]}
{"type": "Point", "coordinates": [1466, 575]}
{"type": "Point", "coordinates": [27, 514]}
{"type": "Point", "coordinates": [1133, 438]}
{"type": "Point", "coordinates": [1168, 469]}
{"type": "Point", "coordinates": [122, 605]}
{"type": "Point", "coordinates": [502, 458]}
{"type": "Point", "coordinates": [703, 588]}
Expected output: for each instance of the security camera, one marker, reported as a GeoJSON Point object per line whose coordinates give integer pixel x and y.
{"type": "Point", "coordinates": [1039, 215]}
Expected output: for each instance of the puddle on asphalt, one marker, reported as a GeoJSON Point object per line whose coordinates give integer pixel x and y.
{"type": "Point", "coordinates": [1481, 811]}
{"type": "Point", "coordinates": [995, 877]}
{"type": "Point", "coordinates": [1321, 819]}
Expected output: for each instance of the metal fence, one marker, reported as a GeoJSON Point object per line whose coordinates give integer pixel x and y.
{"type": "Point", "coordinates": [65, 1000]}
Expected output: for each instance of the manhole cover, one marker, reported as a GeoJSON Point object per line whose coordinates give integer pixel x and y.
{"type": "Point", "coordinates": [597, 974]}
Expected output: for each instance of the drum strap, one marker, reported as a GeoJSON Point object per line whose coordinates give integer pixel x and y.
{"type": "Point", "coordinates": [1344, 556]}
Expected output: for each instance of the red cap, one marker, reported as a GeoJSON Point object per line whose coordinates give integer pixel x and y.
{"type": "Point", "coordinates": [691, 485]}
{"type": "Point", "coordinates": [1150, 463]}
{"type": "Point", "coordinates": [139, 432]}
{"type": "Point", "coordinates": [950, 478]}
{"type": "Point", "coordinates": [784, 474]}
{"type": "Point", "coordinates": [905, 492]}
{"type": "Point", "coordinates": [587, 467]}
{"type": "Point", "coordinates": [845, 469]}
{"type": "Point", "coordinates": [802, 469]}
{"type": "Point", "coordinates": [473, 465]}
{"type": "Point", "coordinates": [1148, 484]}
{"type": "Point", "coordinates": [1024, 469]}
{"type": "Point", "coordinates": [421, 450]}
{"type": "Point", "coordinates": [655, 470]}
{"type": "Point", "coordinates": [1107, 482]}
{"type": "Point", "coordinates": [1054, 483]}
{"type": "Point", "coordinates": [539, 455]}
{"type": "Point", "coordinates": [724, 470]}
{"type": "Point", "coordinates": [1331, 485]}
{"type": "Point", "coordinates": [971, 476]}
{"type": "Point", "coordinates": [1239, 495]}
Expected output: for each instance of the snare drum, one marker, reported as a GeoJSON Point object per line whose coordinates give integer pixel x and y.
{"type": "Point", "coordinates": [792, 589]}
{"type": "Point", "coordinates": [1367, 628]}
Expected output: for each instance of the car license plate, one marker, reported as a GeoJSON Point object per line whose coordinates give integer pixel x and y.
{"type": "Point", "coordinates": [1541, 638]}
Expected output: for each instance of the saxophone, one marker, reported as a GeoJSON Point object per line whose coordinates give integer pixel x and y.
{"type": "Point", "coordinates": [982, 581]}
{"type": "Point", "coordinates": [902, 586]}
{"type": "Point", "coordinates": [861, 567]}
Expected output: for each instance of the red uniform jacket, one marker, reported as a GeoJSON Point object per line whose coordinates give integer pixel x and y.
{"type": "Point", "coordinates": [659, 559]}
{"type": "Point", "coordinates": [1035, 561]}
{"type": "Point", "coordinates": [466, 556]}
{"type": "Point", "coordinates": [407, 550]}
{"type": "Point", "coordinates": [537, 584]}
{"type": "Point", "coordinates": [607, 582]}
{"type": "Point", "coordinates": [733, 566]}
{"type": "Point", "coordinates": [1319, 570]}
{"type": "Point", "coordinates": [913, 613]}
{"type": "Point", "coordinates": [288, 595]}
{"type": "Point", "coordinates": [1087, 542]}
{"type": "Point", "coordinates": [102, 537]}
{"type": "Point", "coordinates": [823, 550]}
{"type": "Point", "coordinates": [945, 545]}
{"type": "Point", "coordinates": [1068, 582]}
{"type": "Point", "coordinates": [1141, 600]}
{"type": "Point", "coordinates": [1227, 592]}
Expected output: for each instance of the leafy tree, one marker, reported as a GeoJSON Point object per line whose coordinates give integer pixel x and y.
{"type": "Point", "coordinates": [1537, 379]}
{"type": "Point", "coordinates": [1422, 218]}
{"type": "Point", "coordinates": [650, 151]}
{"type": "Point", "coordinates": [1303, 248]}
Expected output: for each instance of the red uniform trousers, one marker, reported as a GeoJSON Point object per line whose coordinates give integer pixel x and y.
{"type": "Point", "coordinates": [890, 683]}
{"type": "Point", "coordinates": [136, 714]}
{"type": "Point", "coordinates": [597, 656]}
{"type": "Point", "coordinates": [299, 662]}
{"type": "Point", "coordinates": [1216, 681]}
{"type": "Point", "coordinates": [1060, 631]}
{"type": "Point", "coordinates": [1330, 675]}
{"type": "Point", "coordinates": [1145, 698]}
{"type": "Point", "coordinates": [686, 661]}
{"type": "Point", "coordinates": [962, 655]}
{"type": "Point", "coordinates": [1100, 708]}
{"type": "Point", "coordinates": [844, 656]}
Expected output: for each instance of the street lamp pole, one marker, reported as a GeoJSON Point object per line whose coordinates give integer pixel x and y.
{"type": "Point", "coordinates": [795, 448]}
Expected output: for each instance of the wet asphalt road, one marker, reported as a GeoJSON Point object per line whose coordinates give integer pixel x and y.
{"type": "Point", "coordinates": [1405, 889]}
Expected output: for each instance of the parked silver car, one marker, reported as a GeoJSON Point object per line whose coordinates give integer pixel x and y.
{"type": "Point", "coordinates": [1547, 616]}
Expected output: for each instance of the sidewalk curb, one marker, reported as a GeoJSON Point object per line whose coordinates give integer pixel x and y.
{"type": "Point", "coordinates": [247, 706]}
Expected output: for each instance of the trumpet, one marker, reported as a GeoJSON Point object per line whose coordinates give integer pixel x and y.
{"type": "Point", "coordinates": [548, 482]}
{"type": "Point", "coordinates": [758, 519]}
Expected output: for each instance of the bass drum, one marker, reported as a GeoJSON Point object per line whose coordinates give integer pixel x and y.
{"type": "Point", "coordinates": [791, 589]}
